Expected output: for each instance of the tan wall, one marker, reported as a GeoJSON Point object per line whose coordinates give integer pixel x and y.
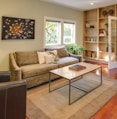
{"type": "Point", "coordinates": [33, 9]}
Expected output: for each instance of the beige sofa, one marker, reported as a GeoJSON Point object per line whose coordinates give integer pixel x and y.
{"type": "Point", "coordinates": [24, 65]}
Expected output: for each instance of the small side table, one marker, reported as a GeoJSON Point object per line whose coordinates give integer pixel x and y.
{"type": "Point", "coordinates": [4, 76]}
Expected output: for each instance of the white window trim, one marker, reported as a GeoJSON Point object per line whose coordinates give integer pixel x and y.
{"type": "Point", "coordinates": [62, 21]}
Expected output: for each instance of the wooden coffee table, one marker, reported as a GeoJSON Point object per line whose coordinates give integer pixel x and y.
{"type": "Point", "coordinates": [70, 75]}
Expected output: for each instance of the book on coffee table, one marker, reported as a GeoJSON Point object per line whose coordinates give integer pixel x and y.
{"type": "Point", "coordinates": [77, 67]}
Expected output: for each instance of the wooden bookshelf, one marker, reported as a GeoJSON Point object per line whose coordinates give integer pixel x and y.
{"type": "Point", "coordinates": [95, 34]}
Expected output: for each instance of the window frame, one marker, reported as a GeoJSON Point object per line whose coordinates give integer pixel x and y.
{"type": "Point", "coordinates": [62, 21]}
{"type": "Point", "coordinates": [74, 35]}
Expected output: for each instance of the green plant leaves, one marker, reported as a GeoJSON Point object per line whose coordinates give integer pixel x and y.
{"type": "Point", "coordinates": [75, 49]}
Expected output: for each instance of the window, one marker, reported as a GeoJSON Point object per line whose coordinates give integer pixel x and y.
{"type": "Point", "coordinates": [59, 31]}
{"type": "Point", "coordinates": [69, 33]}
{"type": "Point", "coordinates": [53, 32]}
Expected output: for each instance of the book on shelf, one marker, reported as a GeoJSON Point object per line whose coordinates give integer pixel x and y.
{"type": "Point", "coordinates": [77, 67]}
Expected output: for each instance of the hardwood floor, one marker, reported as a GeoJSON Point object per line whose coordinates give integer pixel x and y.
{"type": "Point", "coordinates": [109, 111]}
{"type": "Point", "coordinates": [112, 73]}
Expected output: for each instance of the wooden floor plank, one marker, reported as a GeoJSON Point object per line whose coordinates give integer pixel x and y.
{"type": "Point", "coordinates": [109, 111]}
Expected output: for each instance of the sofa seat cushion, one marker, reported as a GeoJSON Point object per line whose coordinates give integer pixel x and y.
{"type": "Point", "coordinates": [36, 69]}
{"type": "Point", "coordinates": [66, 61]}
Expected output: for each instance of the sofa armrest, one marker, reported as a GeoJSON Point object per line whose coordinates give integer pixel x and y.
{"type": "Point", "coordinates": [13, 99]}
{"type": "Point", "coordinates": [14, 68]}
{"type": "Point", "coordinates": [76, 56]}
{"type": "Point", "coordinates": [4, 76]}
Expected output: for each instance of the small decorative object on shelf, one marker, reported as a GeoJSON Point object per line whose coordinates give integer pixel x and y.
{"type": "Point", "coordinates": [106, 24]}
{"type": "Point", "coordinates": [92, 26]}
{"type": "Point", "coordinates": [93, 55]}
{"type": "Point", "coordinates": [103, 33]}
{"type": "Point", "coordinates": [87, 25]}
{"type": "Point", "coordinates": [95, 39]}
{"type": "Point", "coordinates": [104, 13]}
{"type": "Point", "coordinates": [89, 53]}
{"type": "Point", "coordinates": [111, 12]}
{"type": "Point", "coordinates": [92, 40]}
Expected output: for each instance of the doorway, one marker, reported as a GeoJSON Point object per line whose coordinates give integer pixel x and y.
{"type": "Point", "coordinates": [112, 42]}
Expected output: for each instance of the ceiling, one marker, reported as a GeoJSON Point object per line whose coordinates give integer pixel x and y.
{"type": "Point", "coordinates": [82, 4]}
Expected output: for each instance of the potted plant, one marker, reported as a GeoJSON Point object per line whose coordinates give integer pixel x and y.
{"type": "Point", "coordinates": [80, 50]}
{"type": "Point", "coordinates": [75, 49]}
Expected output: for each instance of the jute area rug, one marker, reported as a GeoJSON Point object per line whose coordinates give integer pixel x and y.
{"type": "Point", "coordinates": [54, 105]}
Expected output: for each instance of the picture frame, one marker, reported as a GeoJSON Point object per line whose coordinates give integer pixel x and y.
{"type": "Point", "coordinates": [17, 28]}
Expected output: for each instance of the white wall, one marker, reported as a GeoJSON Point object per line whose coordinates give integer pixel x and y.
{"type": "Point", "coordinates": [33, 9]}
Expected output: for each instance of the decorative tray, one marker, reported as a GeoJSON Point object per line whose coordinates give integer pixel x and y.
{"type": "Point", "coordinates": [77, 67]}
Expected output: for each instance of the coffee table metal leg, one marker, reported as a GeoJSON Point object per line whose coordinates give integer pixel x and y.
{"type": "Point", "coordinates": [49, 81]}
{"type": "Point", "coordinates": [83, 90]}
{"type": "Point", "coordinates": [69, 92]}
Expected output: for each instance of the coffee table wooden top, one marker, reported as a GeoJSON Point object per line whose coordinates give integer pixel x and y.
{"type": "Point", "coordinates": [67, 73]}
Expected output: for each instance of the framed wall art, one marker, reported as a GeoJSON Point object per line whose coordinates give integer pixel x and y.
{"type": "Point", "coordinates": [17, 28]}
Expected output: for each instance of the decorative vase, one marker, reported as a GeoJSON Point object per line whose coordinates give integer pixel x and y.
{"type": "Point", "coordinates": [87, 25]}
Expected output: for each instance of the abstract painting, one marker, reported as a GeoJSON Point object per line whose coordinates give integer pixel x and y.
{"type": "Point", "coordinates": [17, 28]}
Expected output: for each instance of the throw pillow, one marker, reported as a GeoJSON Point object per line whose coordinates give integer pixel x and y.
{"type": "Point", "coordinates": [41, 57]}
{"type": "Point", "coordinates": [54, 53]}
{"type": "Point", "coordinates": [62, 52]}
{"type": "Point", "coordinates": [49, 59]}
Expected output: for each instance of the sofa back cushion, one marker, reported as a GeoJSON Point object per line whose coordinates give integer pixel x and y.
{"type": "Point", "coordinates": [62, 53]}
{"type": "Point", "coordinates": [53, 48]}
{"type": "Point", "coordinates": [26, 57]}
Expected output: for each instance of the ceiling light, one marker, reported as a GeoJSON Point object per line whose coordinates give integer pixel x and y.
{"type": "Point", "coordinates": [92, 3]}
